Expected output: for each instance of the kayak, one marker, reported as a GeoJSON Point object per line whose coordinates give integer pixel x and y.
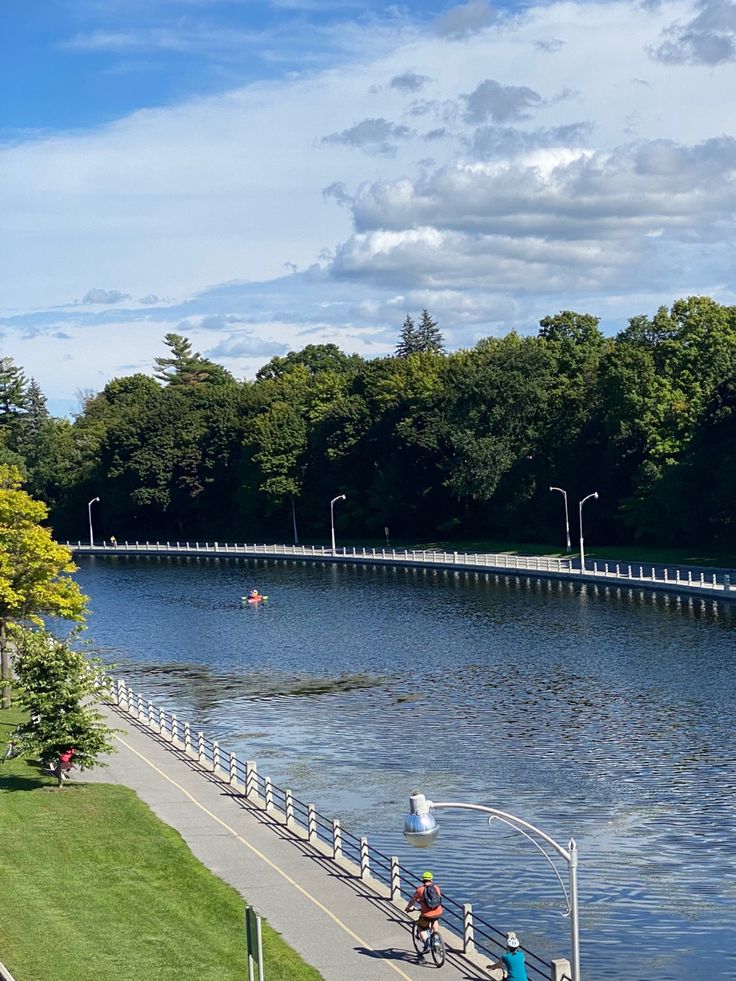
{"type": "Point", "coordinates": [254, 599]}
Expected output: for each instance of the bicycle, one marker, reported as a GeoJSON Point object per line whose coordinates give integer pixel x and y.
{"type": "Point", "coordinates": [436, 944]}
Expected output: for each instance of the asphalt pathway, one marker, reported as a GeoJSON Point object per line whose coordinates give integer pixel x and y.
{"type": "Point", "coordinates": [345, 927]}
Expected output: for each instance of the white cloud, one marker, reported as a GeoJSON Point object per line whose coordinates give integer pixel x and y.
{"type": "Point", "coordinates": [465, 19]}
{"type": "Point", "coordinates": [621, 198]}
{"type": "Point", "coordinates": [104, 296]}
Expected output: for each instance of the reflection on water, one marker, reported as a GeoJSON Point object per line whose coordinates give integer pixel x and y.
{"type": "Point", "coordinates": [607, 715]}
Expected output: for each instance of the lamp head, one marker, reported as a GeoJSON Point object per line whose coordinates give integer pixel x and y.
{"type": "Point", "coordinates": [420, 826]}
{"type": "Point", "coordinates": [595, 495]}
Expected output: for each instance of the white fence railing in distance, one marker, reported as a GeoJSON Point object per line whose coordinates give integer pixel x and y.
{"type": "Point", "coordinates": [692, 581]}
{"type": "Point", "coordinates": [474, 936]}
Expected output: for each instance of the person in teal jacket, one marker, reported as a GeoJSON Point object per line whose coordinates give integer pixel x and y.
{"type": "Point", "coordinates": [512, 962]}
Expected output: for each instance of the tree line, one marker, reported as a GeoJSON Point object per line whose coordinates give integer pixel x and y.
{"type": "Point", "coordinates": [431, 444]}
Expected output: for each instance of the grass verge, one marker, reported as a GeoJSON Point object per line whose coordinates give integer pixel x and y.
{"type": "Point", "coordinates": [625, 553]}
{"type": "Point", "coordinates": [96, 887]}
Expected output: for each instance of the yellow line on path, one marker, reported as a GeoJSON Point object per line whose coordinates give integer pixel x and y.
{"type": "Point", "coordinates": [264, 858]}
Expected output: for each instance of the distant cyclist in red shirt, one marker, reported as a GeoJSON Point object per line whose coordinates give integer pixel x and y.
{"type": "Point", "coordinates": [428, 897]}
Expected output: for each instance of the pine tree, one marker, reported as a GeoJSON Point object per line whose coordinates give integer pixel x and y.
{"type": "Point", "coordinates": [187, 367]}
{"type": "Point", "coordinates": [13, 388]}
{"type": "Point", "coordinates": [37, 413]}
{"type": "Point", "coordinates": [408, 340]}
{"type": "Point", "coordinates": [428, 336]}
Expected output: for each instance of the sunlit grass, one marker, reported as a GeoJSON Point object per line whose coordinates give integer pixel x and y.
{"type": "Point", "coordinates": [95, 887]}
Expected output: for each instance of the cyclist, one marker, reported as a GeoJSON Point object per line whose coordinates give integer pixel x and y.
{"type": "Point", "coordinates": [429, 898]}
{"type": "Point", "coordinates": [512, 962]}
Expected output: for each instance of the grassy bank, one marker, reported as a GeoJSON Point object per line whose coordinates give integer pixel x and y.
{"type": "Point", "coordinates": [95, 886]}
{"type": "Point", "coordinates": [626, 553]}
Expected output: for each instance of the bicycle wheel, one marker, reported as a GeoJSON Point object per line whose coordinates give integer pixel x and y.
{"type": "Point", "coordinates": [418, 942]}
{"type": "Point", "coordinates": [437, 949]}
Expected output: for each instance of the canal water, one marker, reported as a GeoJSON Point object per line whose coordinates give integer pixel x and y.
{"type": "Point", "coordinates": [607, 717]}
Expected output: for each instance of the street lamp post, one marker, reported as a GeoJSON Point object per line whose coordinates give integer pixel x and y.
{"type": "Point", "coordinates": [340, 497]}
{"type": "Point", "coordinates": [567, 520]}
{"type": "Point", "coordinates": [421, 830]}
{"type": "Point", "coordinates": [89, 512]}
{"type": "Point", "coordinates": [582, 547]}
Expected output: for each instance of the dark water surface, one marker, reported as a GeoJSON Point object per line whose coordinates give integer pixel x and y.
{"type": "Point", "coordinates": [609, 718]}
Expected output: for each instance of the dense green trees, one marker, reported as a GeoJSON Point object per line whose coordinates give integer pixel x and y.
{"type": "Point", "coordinates": [425, 442]}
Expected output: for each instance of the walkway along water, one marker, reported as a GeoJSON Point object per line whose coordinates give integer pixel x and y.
{"type": "Point", "coordinates": [333, 897]}
{"type": "Point", "coordinates": [689, 581]}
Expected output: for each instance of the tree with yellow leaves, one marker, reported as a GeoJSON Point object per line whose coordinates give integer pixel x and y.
{"type": "Point", "coordinates": [34, 571]}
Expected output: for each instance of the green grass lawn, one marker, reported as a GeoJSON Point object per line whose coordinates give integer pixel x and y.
{"type": "Point", "coordinates": [96, 888]}
{"type": "Point", "coordinates": [627, 553]}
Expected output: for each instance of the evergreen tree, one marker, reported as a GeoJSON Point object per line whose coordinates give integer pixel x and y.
{"type": "Point", "coordinates": [187, 367]}
{"type": "Point", "coordinates": [36, 406]}
{"type": "Point", "coordinates": [408, 339]}
{"type": "Point", "coordinates": [13, 388]}
{"type": "Point", "coordinates": [428, 337]}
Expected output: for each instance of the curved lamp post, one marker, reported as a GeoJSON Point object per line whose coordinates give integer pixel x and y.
{"type": "Point", "coordinates": [89, 512]}
{"type": "Point", "coordinates": [567, 519]}
{"type": "Point", "coordinates": [340, 497]}
{"type": "Point", "coordinates": [421, 830]}
{"type": "Point", "coordinates": [582, 549]}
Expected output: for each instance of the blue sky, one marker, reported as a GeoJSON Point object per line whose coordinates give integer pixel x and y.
{"type": "Point", "coordinates": [259, 176]}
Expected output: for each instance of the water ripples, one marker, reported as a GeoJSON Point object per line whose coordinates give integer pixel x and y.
{"type": "Point", "coordinates": [602, 714]}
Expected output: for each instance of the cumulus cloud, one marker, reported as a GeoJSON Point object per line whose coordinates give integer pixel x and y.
{"type": "Point", "coordinates": [409, 82]}
{"type": "Point", "coordinates": [244, 345]}
{"type": "Point", "coordinates": [709, 38]}
{"type": "Point", "coordinates": [509, 141]}
{"type": "Point", "coordinates": [549, 45]}
{"type": "Point", "coordinates": [149, 299]}
{"type": "Point", "coordinates": [337, 192]}
{"type": "Point", "coordinates": [104, 296]}
{"type": "Point", "coordinates": [563, 218]}
{"type": "Point", "coordinates": [491, 100]}
{"type": "Point", "coordinates": [469, 18]}
{"type": "Point", "coordinates": [374, 135]}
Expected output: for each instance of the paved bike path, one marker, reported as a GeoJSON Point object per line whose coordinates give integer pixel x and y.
{"type": "Point", "coordinates": [343, 926]}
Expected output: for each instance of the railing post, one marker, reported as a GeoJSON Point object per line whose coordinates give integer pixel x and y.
{"type": "Point", "coordinates": [187, 739]}
{"type": "Point", "coordinates": [641, 572]}
{"type": "Point", "coordinates": [561, 970]}
{"type": "Point", "coordinates": [140, 708]}
{"type": "Point", "coordinates": [666, 578]}
{"type": "Point", "coordinates": [174, 729]}
{"type": "Point", "coordinates": [251, 777]}
{"type": "Point", "coordinates": [311, 822]}
{"type": "Point", "coordinates": [162, 722]}
{"type": "Point", "coordinates": [468, 931]}
{"type": "Point", "coordinates": [233, 770]}
{"type": "Point", "coordinates": [365, 862]}
{"type": "Point", "coordinates": [336, 840]}
{"type": "Point", "coordinates": [200, 747]}
{"type": "Point", "coordinates": [689, 576]}
{"type": "Point", "coordinates": [288, 807]}
{"type": "Point", "coordinates": [395, 880]}
{"type": "Point", "coordinates": [268, 793]}
{"type": "Point", "coordinates": [726, 583]}
{"type": "Point", "coordinates": [215, 757]}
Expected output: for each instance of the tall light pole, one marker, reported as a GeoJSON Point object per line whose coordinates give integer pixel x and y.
{"type": "Point", "coordinates": [421, 830]}
{"type": "Point", "coordinates": [567, 519]}
{"type": "Point", "coordinates": [89, 512]}
{"type": "Point", "coordinates": [340, 497]}
{"type": "Point", "coordinates": [582, 548]}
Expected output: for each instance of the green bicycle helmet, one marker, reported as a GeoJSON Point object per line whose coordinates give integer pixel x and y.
{"type": "Point", "coordinates": [427, 877]}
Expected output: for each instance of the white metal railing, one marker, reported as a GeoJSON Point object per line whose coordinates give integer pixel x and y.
{"type": "Point", "coordinates": [474, 935]}
{"type": "Point", "coordinates": [641, 574]}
